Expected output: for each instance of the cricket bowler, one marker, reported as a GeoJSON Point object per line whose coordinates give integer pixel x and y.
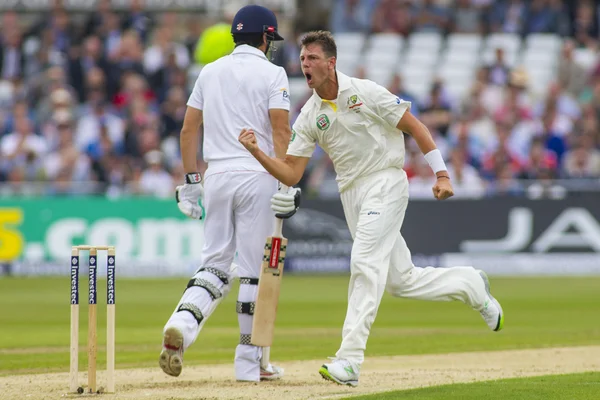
{"type": "Point", "coordinates": [238, 90]}
{"type": "Point", "coordinates": [360, 125]}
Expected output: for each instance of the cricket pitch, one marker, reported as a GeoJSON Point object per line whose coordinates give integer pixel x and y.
{"type": "Point", "coordinates": [302, 382]}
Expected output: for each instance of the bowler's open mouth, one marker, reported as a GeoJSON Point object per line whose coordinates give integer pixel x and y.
{"type": "Point", "coordinates": [308, 78]}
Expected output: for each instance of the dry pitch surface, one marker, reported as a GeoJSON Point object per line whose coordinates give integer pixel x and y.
{"type": "Point", "coordinates": [303, 382]}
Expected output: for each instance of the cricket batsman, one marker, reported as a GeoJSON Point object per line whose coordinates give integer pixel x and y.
{"type": "Point", "coordinates": [238, 90]}
{"type": "Point", "coordinates": [360, 125]}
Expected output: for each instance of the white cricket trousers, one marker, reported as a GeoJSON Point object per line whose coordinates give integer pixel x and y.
{"type": "Point", "coordinates": [374, 207]}
{"type": "Point", "coordinates": [238, 219]}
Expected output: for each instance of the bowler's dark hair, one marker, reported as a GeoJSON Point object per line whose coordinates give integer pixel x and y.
{"type": "Point", "coordinates": [251, 39]}
{"type": "Point", "coordinates": [322, 38]}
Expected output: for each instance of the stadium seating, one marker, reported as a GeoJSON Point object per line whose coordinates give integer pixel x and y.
{"type": "Point", "coordinates": [423, 57]}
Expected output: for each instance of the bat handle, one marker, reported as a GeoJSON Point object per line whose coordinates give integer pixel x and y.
{"type": "Point", "coordinates": [278, 221]}
{"type": "Point", "coordinates": [278, 227]}
{"type": "Point", "coordinates": [266, 355]}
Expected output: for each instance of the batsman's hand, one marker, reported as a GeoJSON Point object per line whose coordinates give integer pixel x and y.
{"type": "Point", "coordinates": [443, 188]}
{"type": "Point", "coordinates": [286, 202]}
{"type": "Point", "coordinates": [189, 194]}
{"type": "Point", "coordinates": [248, 140]}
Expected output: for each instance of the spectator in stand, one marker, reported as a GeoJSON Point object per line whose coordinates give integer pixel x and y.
{"type": "Point", "coordinates": [193, 33]}
{"type": "Point", "coordinates": [551, 140]}
{"type": "Point", "coordinates": [65, 162]}
{"type": "Point", "coordinates": [128, 56]}
{"type": "Point", "coordinates": [291, 55]}
{"type": "Point", "coordinates": [495, 160]}
{"type": "Point", "coordinates": [436, 113]}
{"type": "Point", "coordinates": [499, 71]}
{"type": "Point", "coordinates": [585, 24]}
{"type": "Point", "coordinates": [507, 16]}
{"type": "Point", "coordinates": [155, 180]}
{"type": "Point", "coordinates": [83, 60]}
{"type": "Point", "coordinates": [572, 76]}
{"type": "Point", "coordinates": [430, 17]}
{"type": "Point", "coordinates": [465, 179]}
{"type": "Point", "coordinates": [396, 87]}
{"type": "Point", "coordinates": [95, 20]}
{"type": "Point", "coordinates": [583, 160]}
{"type": "Point", "coordinates": [465, 136]}
{"type": "Point", "coordinates": [561, 100]}
{"type": "Point", "coordinates": [541, 18]}
{"type": "Point", "coordinates": [137, 19]}
{"type": "Point", "coordinates": [23, 150]}
{"type": "Point", "coordinates": [505, 183]}
{"type": "Point", "coordinates": [12, 59]}
{"type": "Point", "coordinates": [393, 16]}
{"type": "Point", "coordinates": [541, 160]}
{"type": "Point", "coordinates": [163, 47]}
{"type": "Point", "coordinates": [466, 18]}
{"type": "Point", "coordinates": [351, 15]}
{"type": "Point", "coordinates": [99, 128]}
{"type": "Point", "coordinates": [111, 34]}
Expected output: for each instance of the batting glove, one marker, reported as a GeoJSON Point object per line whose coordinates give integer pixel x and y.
{"type": "Point", "coordinates": [189, 194]}
{"type": "Point", "coordinates": [285, 202]}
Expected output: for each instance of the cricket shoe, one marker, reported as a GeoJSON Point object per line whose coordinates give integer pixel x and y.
{"type": "Point", "coordinates": [340, 371]}
{"type": "Point", "coordinates": [492, 311]}
{"type": "Point", "coordinates": [271, 373]}
{"type": "Point", "coordinates": [171, 356]}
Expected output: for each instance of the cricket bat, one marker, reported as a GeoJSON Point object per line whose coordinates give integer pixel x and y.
{"type": "Point", "coordinates": [269, 284]}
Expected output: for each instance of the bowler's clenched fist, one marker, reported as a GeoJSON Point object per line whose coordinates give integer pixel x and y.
{"type": "Point", "coordinates": [248, 140]}
{"type": "Point", "coordinates": [442, 189]}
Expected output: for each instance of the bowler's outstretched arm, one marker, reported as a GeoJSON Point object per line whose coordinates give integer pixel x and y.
{"type": "Point", "coordinates": [287, 171]}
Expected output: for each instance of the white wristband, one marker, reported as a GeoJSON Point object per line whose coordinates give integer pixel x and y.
{"type": "Point", "coordinates": [436, 161]}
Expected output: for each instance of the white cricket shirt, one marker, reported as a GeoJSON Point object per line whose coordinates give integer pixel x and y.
{"type": "Point", "coordinates": [357, 130]}
{"type": "Point", "coordinates": [236, 92]}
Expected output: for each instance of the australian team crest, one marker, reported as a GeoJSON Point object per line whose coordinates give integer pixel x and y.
{"type": "Point", "coordinates": [354, 103]}
{"type": "Point", "coordinates": [322, 122]}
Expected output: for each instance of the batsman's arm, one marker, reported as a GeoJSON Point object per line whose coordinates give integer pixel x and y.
{"type": "Point", "coordinates": [280, 122]}
{"type": "Point", "coordinates": [411, 125]}
{"type": "Point", "coordinates": [189, 139]}
{"type": "Point", "coordinates": [288, 171]}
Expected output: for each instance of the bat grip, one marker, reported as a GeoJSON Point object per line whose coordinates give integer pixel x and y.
{"type": "Point", "coordinates": [278, 227]}
{"type": "Point", "coordinates": [278, 221]}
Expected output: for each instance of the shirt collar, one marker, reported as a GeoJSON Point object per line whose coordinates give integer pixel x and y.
{"type": "Point", "coordinates": [246, 49]}
{"type": "Point", "coordinates": [344, 83]}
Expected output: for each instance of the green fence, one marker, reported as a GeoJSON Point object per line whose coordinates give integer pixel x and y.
{"type": "Point", "coordinates": [149, 232]}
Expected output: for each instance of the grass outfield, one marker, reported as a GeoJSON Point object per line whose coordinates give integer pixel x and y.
{"type": "Point", "coordinates": [540, 312]}
{"type": "Point", "coordinates": [551, 387]}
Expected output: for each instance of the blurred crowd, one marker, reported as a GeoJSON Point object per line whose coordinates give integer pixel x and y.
{"type": "Point", "coordinates": [575, 18]}
{"type": "Point", "coordinates": [500, 139]}
{"type": "Point", "coordinates": [95, 104]}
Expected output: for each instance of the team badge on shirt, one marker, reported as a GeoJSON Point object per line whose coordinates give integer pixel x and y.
{"type": "Point", "coordinates": [322, 122]}
{"type": "Point", "coordinates": [354, 103]}
{"type": "Point", "coordinates": [293, 136]}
